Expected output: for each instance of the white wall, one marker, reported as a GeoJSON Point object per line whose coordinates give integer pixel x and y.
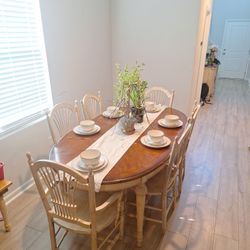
{"type": "Point", "coordinates": [77, 35]}
{"type": "Point", "coordinates": [161, 34]}
{"type": "Point", "coordinates": [201, 48]}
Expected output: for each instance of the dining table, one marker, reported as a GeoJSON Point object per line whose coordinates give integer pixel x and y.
{"type": "Point", "coordinates": [138, 164]}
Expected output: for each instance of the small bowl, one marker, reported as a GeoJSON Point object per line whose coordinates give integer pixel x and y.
{"type": "Point", "coordinates": [149, 106]}
{"type": "Point", "coordinates": [112, 110]}
{"type": "Point", "coordinates": [171, 119]}
{"type": "Point", "coordinates": [87, 125]}
{"type": "Point", "coordinates": [90, 157]}
{"type": "Point", "coordinates": [156, 136]}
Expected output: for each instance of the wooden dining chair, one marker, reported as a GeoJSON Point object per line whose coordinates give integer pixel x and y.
{"type": "Point", "coordinates": [71, 203]}
{"type": "Point", "coordinates": [61, 119]}
{"type": "Point", "coordinates": [160, 95]}
{"type": "Point", "coordinates": [164, 184]}
{"type": "Point", "coordinates": [191, 122]}
{"type": "Point", "coordinates": [195, 111]}
{"type": "Point", "coordinates": [183, 145]}
{"type": "Point", "coordinates": [92, 105]}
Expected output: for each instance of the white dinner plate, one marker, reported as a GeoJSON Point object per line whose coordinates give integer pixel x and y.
{"type": "Point", "coordinates": [112, 116]}
{"type": "Point", "coordinates": [79, 131]}
{"type": "Point", "coordinates": [80, 166]}
{"type": "Point", "coordinates": [147, 142]}
{"type": "Point", "coordinates": [156, 109]}
{"type": "Point", "coordinates": [163, 123]}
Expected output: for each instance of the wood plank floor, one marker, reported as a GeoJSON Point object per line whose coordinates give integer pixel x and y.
{"type": "Point", "coordinates": [213, 212]}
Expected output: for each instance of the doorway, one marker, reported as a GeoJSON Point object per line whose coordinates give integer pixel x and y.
{"type": "Point", "coordinates": [235, 49]}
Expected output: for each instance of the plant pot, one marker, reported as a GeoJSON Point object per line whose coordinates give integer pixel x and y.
{"type": "Point", "coordinates": [138, 114]}
{"type": "Point", "coordinates": [127, 124]}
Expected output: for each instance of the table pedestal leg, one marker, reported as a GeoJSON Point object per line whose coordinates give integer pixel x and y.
{"type": "Point", "coordinates": [140, 192]}
{"type": "Point", "coordinates": [4, 213]}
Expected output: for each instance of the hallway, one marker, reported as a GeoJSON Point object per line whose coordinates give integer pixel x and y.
{"type": "Point", "coordinates": [213, 212]}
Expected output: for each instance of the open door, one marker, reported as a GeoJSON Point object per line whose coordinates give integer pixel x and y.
{"type": "Point", "coordinates": [201, 49]}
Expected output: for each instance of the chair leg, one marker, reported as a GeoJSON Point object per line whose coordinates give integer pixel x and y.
{"type": "Point", "coordinates": [122, 221]}
{"type": "Point", "coordinates": [180, 181]}
{"type": "Point", "coordinates": [164, 211]}
{"type": "Point", "coordinates": [93, 241]}
{"type": "Point", "coordinates": [183, 168]}
{"type": "Point", "coordinates": [181, 176]}
{"type": "Point", "coordinates": [140, 191]}
{"type": "Point", "coordinates": [52, 234]}
{"type": "Point", "coordinates": [174, 195]}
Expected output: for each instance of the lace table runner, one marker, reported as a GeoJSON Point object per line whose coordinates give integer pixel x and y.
{"type": "Point", "coordinates": [113, 144]}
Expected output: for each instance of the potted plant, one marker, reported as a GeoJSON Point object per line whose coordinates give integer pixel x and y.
{"type": "Point", "coordinates": [130, 91]}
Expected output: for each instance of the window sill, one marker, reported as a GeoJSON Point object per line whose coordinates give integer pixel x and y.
{"type": "Point", "coordinates": [17, 129]}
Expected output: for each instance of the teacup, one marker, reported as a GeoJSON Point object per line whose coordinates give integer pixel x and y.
{"type": "Point", "coordinates": [156, 136]}
{"type": "Point", "coordinates": [87, 125]}
{"type": "Point", "coordinates": [149, 106]}
{"type": "Point", "coordinates": [171, 119]}
{"type": "Point", "coordinates": [112, 110]}
{"type": "Point", "coordinates": [90, 157]}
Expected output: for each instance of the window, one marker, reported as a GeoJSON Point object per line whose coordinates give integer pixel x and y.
{"type": "Point", "coordinates": [24, 81]}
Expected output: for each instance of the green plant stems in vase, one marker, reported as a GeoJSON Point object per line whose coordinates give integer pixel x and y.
{"type": "Point", "coordinates": [130, 88]}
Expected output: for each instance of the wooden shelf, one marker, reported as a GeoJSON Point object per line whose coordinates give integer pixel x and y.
{"type": "Point", "coordinates": [209, 77]}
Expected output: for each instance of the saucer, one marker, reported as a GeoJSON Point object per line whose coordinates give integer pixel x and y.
{"type": "Point", "coordinates": [111, 116]}
{"type": "Point", "coordinates": [156, 109]}
{"type": "Point", "coordinates": [79, 131]}
{"type": "Point", "coordinates": [162, 123]}
{"type": "Point", "coordinates": [146, 142]}
{"type": "Point", "coordinates": [80, 166]}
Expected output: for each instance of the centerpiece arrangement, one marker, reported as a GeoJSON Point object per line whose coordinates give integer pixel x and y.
{"type": "Point", "coordinates": [130, 95]}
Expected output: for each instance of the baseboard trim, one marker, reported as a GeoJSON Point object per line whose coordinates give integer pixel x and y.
{"type": "Point", "coordinates": [17, 192]}
{"type": "Point", "coordinates": [248, 80]}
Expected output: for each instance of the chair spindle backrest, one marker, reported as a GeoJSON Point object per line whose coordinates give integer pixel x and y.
{"type": "Point", "coordinates": [183, 143]}
{"type": "Point", "coordinates": [170, 164]}
{"type": "Point", "coordinates": [57, 185]}
{"type": "Point", "coordinates": [160, 95]}
{"type": "Point", "coordinates": [192, 118]}
{"type": "Point", "coordinates": [62, 118]}
{"type": "Point", "coordinates": [92, 105]}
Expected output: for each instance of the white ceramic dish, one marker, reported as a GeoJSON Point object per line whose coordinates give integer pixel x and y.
{"type": "Point", "coordinates": [112, 109]}
{"type": "Point", "coordinates": [171, 118]}
{"type": "Point", "coordinates": [156, 136]}
{"type": "Point", "coordinates": [107, 114]}
{"type": "Point", "coordinates": [149, 105]}
{"type": "Point", "coordinates": [79, 131]}
{"type": "Point", "coordinates": [162, 122]}
{"type": "Point", "coordinates": [80, 166]}
{"type": "Point", "coordinates": [90, 157]}
{"type": "Point", "coordinates": [151, 142]}
{"type": "Point", "coordinates": [147, 142]}
{"type": "Point", "coordinates": [156, 109]}
{"type": "Point", "coordinates": [87, 125]}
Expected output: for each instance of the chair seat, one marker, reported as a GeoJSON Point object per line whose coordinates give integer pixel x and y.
{"type": "Point", "coordinates": [103, 218]}
{"type": "Point", "coordinates": [155, 184]}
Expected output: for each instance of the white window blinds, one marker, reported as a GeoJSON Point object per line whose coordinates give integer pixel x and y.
{"type": "Point", "coordinates": [24, 81]}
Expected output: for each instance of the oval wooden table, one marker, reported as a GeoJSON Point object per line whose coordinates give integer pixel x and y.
{"type": "Point", "coordinates": [136, 166]}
